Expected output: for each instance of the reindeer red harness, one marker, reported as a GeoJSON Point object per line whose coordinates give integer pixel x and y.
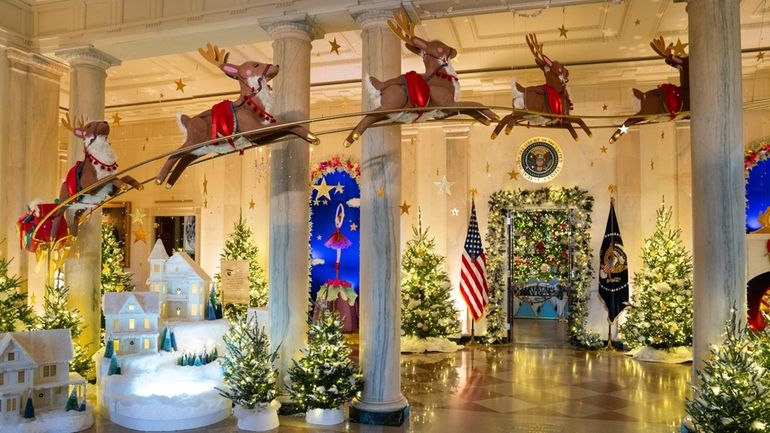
{"type": "Point", "coordinates": [224, 122]}
{"type": "Point", "coordinates": [418, 91]}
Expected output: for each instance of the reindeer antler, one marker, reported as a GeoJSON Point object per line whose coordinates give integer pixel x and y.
{"type": "Point", "coordinates": [68, 125]}
{"type": "Point", "coordinates": [659, 46]}
{"type": "Point", "coordinates": [537, 50]}
{"type": "Point", "coordinates": [403, 26]}
{"type": "Point", "coordinates": [214, 55]}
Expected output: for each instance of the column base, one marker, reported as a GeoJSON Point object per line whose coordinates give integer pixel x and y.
{"type": "Point", "coordinates": [390, 414]}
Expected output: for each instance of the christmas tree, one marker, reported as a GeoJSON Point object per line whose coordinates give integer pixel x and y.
{"type": "Point", "coordinates": [325, 377]}
{"type": "Point", "coordinates": [427, 309]}
{"type": "Point", "coordinates": [659, 313]}
{"type": "Point", "coordinates": [248, 365]}
{"type": "Point", "coordinates": [731, 395]}
{"type": "Point", "coordinates": [29, 408]}
{"type": "Point", "coordinates": [109, 349]}
{"type": "Point", "coordinates": [14, 310]}
{"type": "Point", "coordinates": [114, 367]}
{"type": "Point", "coordinates": [114, 278]}
{"type": "Point", "coordinates": [72, 402]}
{"type": "Point", "coordinates": [57, 315]}
{"type": "Point", "coordinates": [240, 246]}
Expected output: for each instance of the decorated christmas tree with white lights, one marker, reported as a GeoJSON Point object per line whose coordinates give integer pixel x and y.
{"type": "Point", "coordinates": [114, 278]}
{"type": "Point", "coordinates": [731, 395]}
{"type": "Point", "coordinates": [250, 378]}
{"type": "Point", "coordinates": [659, 313]}
{"type": "Point", "coordinates": [325, 377]}
{"type": "Point", "coordinates": [427, 309]}
{"type": "Point", "coordinates": [240, 246]}
{"type": "Point", "coordinates": [15, 314]}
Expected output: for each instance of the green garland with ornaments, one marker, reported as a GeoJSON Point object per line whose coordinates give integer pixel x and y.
{"type": "Point", "coordinates": [500, 203]}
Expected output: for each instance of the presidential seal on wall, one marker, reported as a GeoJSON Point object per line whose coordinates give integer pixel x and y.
{"type": "Point", "coordinates": [541, 159]}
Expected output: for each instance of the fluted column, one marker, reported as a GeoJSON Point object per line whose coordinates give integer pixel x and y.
{"type": "Point", "coordinates": [30, 153]}
{"type": "Point", "coordinates": [83, 269]}
{"type": "Point", "coordinates": [717, 169]}
{"type": "Point", "coordinates": [289, 210]}
{"type": "Point", "coordinates": [381, 401]}
{"type": "Point", "coordinates": [457, 172]}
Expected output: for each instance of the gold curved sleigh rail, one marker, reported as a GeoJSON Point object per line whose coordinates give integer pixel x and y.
{"type": "Point", "coordinates": [276, 127]}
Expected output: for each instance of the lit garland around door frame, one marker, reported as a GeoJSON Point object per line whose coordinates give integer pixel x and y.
{"type": "Point", "coordinates": [582, 203]}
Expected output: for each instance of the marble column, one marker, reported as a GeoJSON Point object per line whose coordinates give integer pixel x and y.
{"type": "Point", "coordinates": [458, 173]}
{"type": "Point", "coordinates": [288, 259]}
{"type": "Point", "coordinates": [83, 269]}
{"type": "Point", "coordinates": [381, 401]}
{"type": "Point", "coordinates": [30, 154]}
{"type": "Point", "coordinates": [717, 169]}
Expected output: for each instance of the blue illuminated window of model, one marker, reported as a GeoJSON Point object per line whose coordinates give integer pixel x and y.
{"type": "Point", "coordinates": [757, 194]}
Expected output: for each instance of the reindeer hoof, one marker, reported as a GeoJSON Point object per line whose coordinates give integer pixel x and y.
{"type": "Point", "coordinates": [313, 139]}
{"type": "Point", "coordinates": [493, 136]}
{"type": "Point", "coordinates": [140, 187]}
{"type": "Point", "coordinates": [158, 181]}
{"type": "Point", "coordinates": [487, 122]}
{"type": "Point", "coordinates": [169, 186]}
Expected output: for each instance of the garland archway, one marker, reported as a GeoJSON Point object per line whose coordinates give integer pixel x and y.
{"type": "Point", "coordinates": [573, 198]}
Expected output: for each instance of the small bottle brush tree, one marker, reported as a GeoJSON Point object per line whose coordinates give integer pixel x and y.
{"type": "Point", "coordinates": [325, 377]}
{"type": "Point", "coordinates": [240, 246]}
{"type": "Point", "coordinates": [249, 375]}
{"type": "Point", "coordinates": [659, 313]}
{"type": "Point", "coordinates": [15, 314]}
{"type": "Point", "coordinates": [427, 309]}
{"type": "Point", "coordinates": [114, 278]}
{"type": "Point", "coordinates": [732, 391]}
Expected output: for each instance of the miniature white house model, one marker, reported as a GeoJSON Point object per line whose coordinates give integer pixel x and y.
{"type": "Point", "coordinates": [131, 320]}
{"type": "Point", "coordinates": [36, 363]}
{"type": "Point", "coordinates": [181, 283]}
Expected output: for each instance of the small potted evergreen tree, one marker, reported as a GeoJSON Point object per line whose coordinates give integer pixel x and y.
{"type": "Point", "coordinates": [249, 375]}
{"type": "Point", "coordinates": [325, 378]}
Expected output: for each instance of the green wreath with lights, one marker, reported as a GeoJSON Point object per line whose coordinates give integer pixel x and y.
{"type": "Point", "coordinates": [500, 203]}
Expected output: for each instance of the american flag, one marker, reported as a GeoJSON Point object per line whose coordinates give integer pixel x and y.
{"type": "Point", "coordinates": [473, 275]}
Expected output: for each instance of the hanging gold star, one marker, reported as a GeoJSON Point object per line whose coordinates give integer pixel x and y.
{"type": "Point", "coordinates": [161, 95]}
{"type": "Point", "coordinates": [637, 22]}
{"type": "Point", "coordinates": [603, 149]}
{"type": "Point", "coordinates": [760, 56]}
{"type": "Point", "coordinates": [353, 227]}
{"type": "Point", "coordinates": [380, 192]}
{"type": "Point", "coordinates": [405, 208]}
{"type": "Point", "coordinates": [613, 189]}
{"type": "Point", "coordinates": [205, 184]}
{"type": "Point", "coordinates": [604, 107]}
{"type": "Point", "coordinates": [563, 31]}
{"type": "Point", "coordinates": [137, 217]}
{"type": "Point", "coordinates": [455, 212]}
{"type": "Point", "coordinates": [179, 86]}
{"type": "Point", "coordinates": [140, 234]}
{"type": "Point", "coordinates": [652, 165]}
{"type": "Point", "coordinates": [251, 203]}
{"type": "Point", "coordinates": [591, 164]}
{"type": "Point", "coordinates": [662, 135]}
{"type": "Point", "coordinates": [487, 167]}
{"type": "Point", "coordinates": [335, 47]}
{"type": "Point", "coordinates": [205, 203]}
{"type": "Point", "coordinates": [679, 47]}
{"type": "Point", "coordinates": [339, 188]}
{"type": "Point", "coordinates": [513, 174]}
{"type": "Point", "coordinates": [444, 186]}
{"type": "Point", "coordinates": [322, 189]}
{"type": "Point", "coordinates": [116, 119]}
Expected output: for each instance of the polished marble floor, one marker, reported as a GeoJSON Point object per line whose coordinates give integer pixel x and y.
{"type": "Point", "coordinates": [537, 384]}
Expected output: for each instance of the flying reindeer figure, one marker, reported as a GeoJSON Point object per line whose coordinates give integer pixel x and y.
{"type": "Point", "coordinates": [250, 112]}
{"type": "Point", "coordinates": [551, 97]}
{"type": "Point", "coordinates": [437, 87]}
{"type": "Point", "coordinates": [99, 162]}
{"type": "Point", "coordinates": [666, 99]}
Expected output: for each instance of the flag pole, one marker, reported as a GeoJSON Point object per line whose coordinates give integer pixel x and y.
{"type": "Point", "coordinates": [473, 192]}
{"type": "Point", "coordinates": [610, 347]}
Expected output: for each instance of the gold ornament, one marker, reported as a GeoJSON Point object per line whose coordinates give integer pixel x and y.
{"type": "Point", "coordinates": [252, 204]}
{"type": "Point", "coordinates": [353, 227]}
{"type": "Point", "coordinates": [322, 189]}
{"type": "Point", "coordinates": [603, 149]}
{"type": "Point", "coordinates": [380, 192]}
{"type": "Point", "coordinates": [679, 47]}
{"type": "Point", "coordinates": [179, 86]}
{"type": "Point", "coordinates": [335, 47]}
{"type": "Point", "coordinates": [140, 234]}
{"type": "Point", "coordinates": [513, 174]}
{"type": "Point", "coordinates": [405, 208]}
{"type": "Point", "coordinates": [137, 217]}
{"type": "Point", "coordinates": [563, 31]}
{"type": "Point", "coordinates": [116, 119]}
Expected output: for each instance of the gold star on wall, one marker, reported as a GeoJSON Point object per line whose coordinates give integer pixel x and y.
{"type": "Point", "coordinates": [116, 119]}
{"type": "Point", "coordinates": [335, 47]}
{"type": "Point", "coordinates": [513, 174]}
{"type": "Point", "coordinates": [137, 217]}
{"type": "Point", "coordinates": [205, 184]}
{"type": "Point", "coordinates": [760, 56]}
{"type": "Point", "coordinates": [591, 164]}
{"type": "Point", "coordinates": [662, 135]}
{"type": "Point", "coordinates": [380, 192]}
{"type": "Point", "coordinates": [637, 22]}
{"type": "Point", "coordinates": [604, 107]}
{"type": "Point", "coordinates": [563, 31]}
{"type": "Point", "coordinates": [179, 86]}
{"type": "Point", "coordinates": [679, 47]}
{"type": "Point", "coordinates": [652, 165]}
{"type": "Point", "coordinates": [603, 149]}
{"type": "Point", "coordinates": [252, 204]}
{"type": "Point", "coordinates": [353, 227]}
{"type": "Point", "coordinates": [405, 208]}
{"type": "Point", "coordinates": [140, 234]}
{"type": "Point", "coordinates": [322, 189]}
{"type": "Point", "coordinates": [205, 203]}
{"type": "Point", "coordinates": [444, 186]}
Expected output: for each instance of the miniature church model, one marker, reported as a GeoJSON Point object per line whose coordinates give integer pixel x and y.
{"type": "Point", "coordinates": [37, 363]}
{"type": "Point", "coordinates": [131, 321]}
{"type": "Point", "coordinates": [180, 282]}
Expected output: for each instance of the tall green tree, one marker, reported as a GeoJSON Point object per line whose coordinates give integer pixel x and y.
{"type": "Point", "coordinates": [659, 313]}
{"type": "Point", "coordinates": [114, 278]}
{"type": "Point", "coordinates": [427, 309]}
{"type": "Point", "coordinates": [240, 246]}
{"type": "Point", "coordinates": [15, 314]}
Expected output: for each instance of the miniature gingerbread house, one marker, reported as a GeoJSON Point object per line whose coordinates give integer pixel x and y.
{"type": "Point", "coordinates": [36, 363]}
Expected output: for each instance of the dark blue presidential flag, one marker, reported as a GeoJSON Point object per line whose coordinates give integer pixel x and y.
{"type": "Point", "coordinates": [613, 268]}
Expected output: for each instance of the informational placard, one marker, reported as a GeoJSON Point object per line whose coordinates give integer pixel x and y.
{"type": "Point", "coordinates": [234, 281]}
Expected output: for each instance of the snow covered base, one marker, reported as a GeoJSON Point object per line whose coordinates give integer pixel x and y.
{"type": "Point", "coordinates": [675, 355]}
{"type": "Point", "coordinates": [196, 336]}
{"type": "Point", "coordinates": [55, 421]}
{"type": "Point", "coordinates": [411, 344]}
{"type": "Point", "coordinates": [325, 416]}
{"type": "Point", "coordinates": [259, 419]}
